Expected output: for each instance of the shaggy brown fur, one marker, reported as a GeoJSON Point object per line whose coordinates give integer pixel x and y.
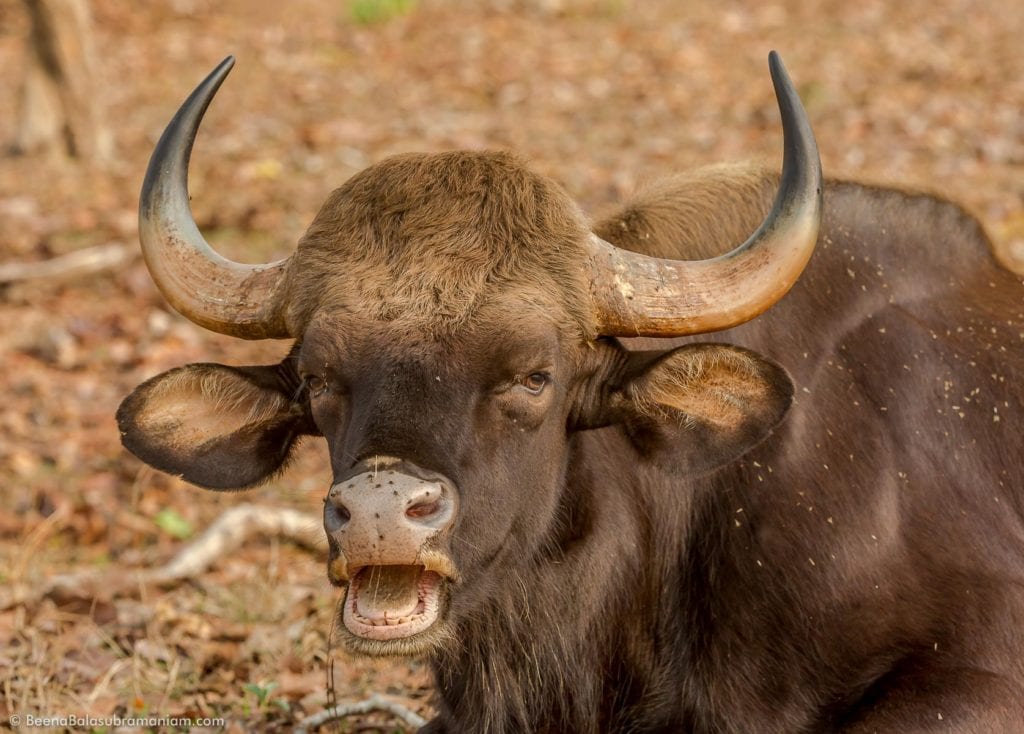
{"type": "Point", "coordinates": [426, 238]}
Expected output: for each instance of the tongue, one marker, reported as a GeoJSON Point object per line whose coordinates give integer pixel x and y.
{"type": "Point", "coordinates": [388, 591]}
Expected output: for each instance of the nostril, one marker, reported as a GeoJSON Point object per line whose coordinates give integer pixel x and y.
{"type": "Point", "coordinates": [336, 516]}
{"type": "Point", "coordinates": [423, 510]}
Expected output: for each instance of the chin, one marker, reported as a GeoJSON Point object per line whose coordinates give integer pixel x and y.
{"type": "Point", "coordinates": [422, 645]}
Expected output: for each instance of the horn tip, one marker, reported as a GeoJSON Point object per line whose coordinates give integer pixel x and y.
{"type": "Point", "coordinates": [776, 68]}
{"type": "Point", "coordinates": [224, 67]}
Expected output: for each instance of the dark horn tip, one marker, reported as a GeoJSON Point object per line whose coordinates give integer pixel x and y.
{"type": "Point", "coordinates": [209, 86]}
{"type": "Point", "coordinates": [799, 137]}
{"type": "Point", "coordinates": [776, 67]}
{"type": "Point", "coordinates": [221, 70]}
{"type": "Point", "coordinates": [780, 77]}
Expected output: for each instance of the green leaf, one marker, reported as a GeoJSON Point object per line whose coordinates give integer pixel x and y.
{"type": "Point", "coordinates": [262, 691]}
{"type": "Point", "coordinates": [378, 11]}
{"type": "Point", "coordinates": [173, 524]}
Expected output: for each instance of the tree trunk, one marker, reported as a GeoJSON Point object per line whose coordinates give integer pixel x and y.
{"type": "Point", "coordinates": [60, 110]}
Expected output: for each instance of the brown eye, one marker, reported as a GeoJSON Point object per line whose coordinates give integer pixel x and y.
{"type": "Point", "coordinates": [535, 383]}
{"type": "Point", "coordinates": [315, 385]}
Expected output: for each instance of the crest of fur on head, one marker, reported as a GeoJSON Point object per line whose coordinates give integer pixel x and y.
{"type": "Point", "coordinates": [426, 238]}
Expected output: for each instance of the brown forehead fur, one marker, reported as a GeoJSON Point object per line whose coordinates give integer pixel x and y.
{"type": "Point", "coordinates": [427, 239]}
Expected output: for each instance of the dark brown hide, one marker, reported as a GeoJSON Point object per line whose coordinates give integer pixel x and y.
{"type": "Point", "coordinates": [637, 550]}
{"type": "Point", "coordinates": [863, 567]}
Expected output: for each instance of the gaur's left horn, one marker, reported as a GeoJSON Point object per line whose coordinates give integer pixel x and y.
{"type": "Point", "coordinates": [637, 295]}
{"type": "Point", "coordinates": [214, 292]}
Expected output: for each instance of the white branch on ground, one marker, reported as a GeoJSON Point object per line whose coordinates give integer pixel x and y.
{"type": "Point", "coordinates": [375, 702]}
{"type": "Point", "coordinates": [72, 265]}
{"type": "Point", "coordinates": [230, 531]}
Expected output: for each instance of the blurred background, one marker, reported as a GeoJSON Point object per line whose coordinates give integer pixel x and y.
{"type": "Point", "coordinates": [598, 94]}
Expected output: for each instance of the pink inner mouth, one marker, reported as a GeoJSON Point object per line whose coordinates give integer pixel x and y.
{"type": "Point", "coordinates": [391, 602]}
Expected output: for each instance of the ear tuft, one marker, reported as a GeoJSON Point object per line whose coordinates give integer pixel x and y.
{"type": "Point", "coordinates": [705, 404]}
{"type": "Point", "coordinates": [216, 426]}
{"type": "Point", "coordinates": [720, 386]}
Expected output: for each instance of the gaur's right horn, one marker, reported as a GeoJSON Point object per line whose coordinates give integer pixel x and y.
{"type": "Point", "coordinates": [637, 295]}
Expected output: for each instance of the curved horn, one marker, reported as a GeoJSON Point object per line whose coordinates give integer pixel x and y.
{"type": "Point", "coordinates": [214, 292]}
{"type": "Point", "coordinates": [638, 295]}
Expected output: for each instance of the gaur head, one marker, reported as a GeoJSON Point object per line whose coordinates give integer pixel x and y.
{"type": "Point", "coordinates": [455, 325]}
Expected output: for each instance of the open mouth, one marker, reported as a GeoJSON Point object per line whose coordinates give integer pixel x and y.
{"type": "Point", "coordinates": [392, 602]}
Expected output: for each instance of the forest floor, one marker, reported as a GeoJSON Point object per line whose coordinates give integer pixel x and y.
{"type": "Point", "coordinates": [598, 94]}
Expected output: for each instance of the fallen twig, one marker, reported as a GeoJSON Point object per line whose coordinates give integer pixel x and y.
{"type": "Point", "coordinates": [72, 265]}
{"type": "Point", "coordinates": [231, 530]}
{"type": "Point", "coordinates": [376, 702]}
{"type": "Point", "coordinates": [228, 532]}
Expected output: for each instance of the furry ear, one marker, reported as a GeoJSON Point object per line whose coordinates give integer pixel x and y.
{"type": "Point", "coordinates": [702, 405]}
{"type": "Point", "coordinates": [216, 426]}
